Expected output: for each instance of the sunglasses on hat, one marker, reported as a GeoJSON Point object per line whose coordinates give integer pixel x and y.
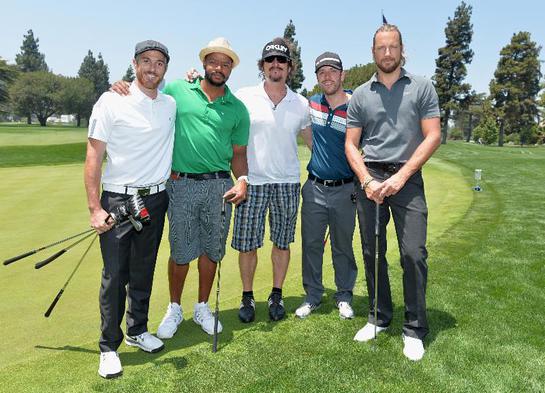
{"type": "Point", "coordinates": [280, 59]}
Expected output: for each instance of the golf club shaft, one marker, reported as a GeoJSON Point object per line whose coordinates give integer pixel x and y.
{"type": "Point", "coordinates": [217, 311]}
{"type": "Point", "coordinates": [55, 301]}
{"type": "Point", "coordinates": [377, 233]}
{"type": "Point", "coordinates": [26, 254]}
{"type": "Point", "coordinates": [46, 261]}
{"type": "Point", "coordinates": [326, 237]}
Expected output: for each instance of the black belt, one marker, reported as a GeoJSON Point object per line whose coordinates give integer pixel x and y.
{"type": "Point", "coordinates": [330, 183]}
{"type": "Point", "coordinates": [389, 167]}
{"type": "Point", "coordinates": [200, 176]}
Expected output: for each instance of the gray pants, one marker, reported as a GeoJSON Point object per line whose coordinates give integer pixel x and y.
{"type": "Point", "coordinates": [129, 263]}
{"type": "Point", "coordinates": [323, 206]}
{"type": "Point", "coordinates": [409, 210]}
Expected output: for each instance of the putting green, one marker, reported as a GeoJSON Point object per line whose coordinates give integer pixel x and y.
{"type": "Point", "coordinates": [43, 204]}
{"type": "Point", "coordinates": [23, 135]}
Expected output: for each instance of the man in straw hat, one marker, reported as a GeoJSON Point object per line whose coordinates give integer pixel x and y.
{"type": "Point", "coordinates": [210, 141]}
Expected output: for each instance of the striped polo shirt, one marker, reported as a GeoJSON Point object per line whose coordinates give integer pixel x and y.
{"type": "Point", "coordinates": [328, 160]}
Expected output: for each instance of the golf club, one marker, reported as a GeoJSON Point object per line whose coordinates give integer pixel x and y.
{"type": "Point", "coordinates": [54, 303]}
{"type": "Point", "coordinates": [29, 253]}
{"type": "Point", "coordinates": [377, 231]}
{"type": "Point", "coordinates": [326, 237]}
{"type": "Point", "coordinates": [217, 311]}
{"type": "Point", "coordinates": [46, 261]}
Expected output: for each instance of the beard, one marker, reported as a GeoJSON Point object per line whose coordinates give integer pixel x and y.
{"type": "Point", "coordinates": [208, 77]}
{"type": "Point", "coordinates": [387, 69]}
{"type": "Point", "coordinates": [330, 89]}
{"type": "Point", "coordinates": [149, 80]}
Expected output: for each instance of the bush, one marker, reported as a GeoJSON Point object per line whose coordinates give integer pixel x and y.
{"type": "Point", "coordinates": [455, 134]}
{"type": "Point", "coordinates": [513, 138]}
{"type": "Point", "coordinates": [529, 136]}
{"type": "Point", "coordinates": [486, 132]}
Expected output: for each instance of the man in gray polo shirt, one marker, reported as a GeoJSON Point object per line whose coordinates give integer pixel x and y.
{"type": "Point", "coordinates": [396, 116]}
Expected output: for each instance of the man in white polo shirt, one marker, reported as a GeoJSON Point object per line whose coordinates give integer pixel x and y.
{"type": "Point", "coordinates": [277, 116]}
{"type": "Point", "coordinates": [136, 132]}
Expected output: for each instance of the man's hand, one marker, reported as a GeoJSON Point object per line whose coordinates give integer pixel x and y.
{"type": "Point", "coordinates": [191, 75]}
{"type": "Point", "coordinates": [392, 185]}
{"type": "Point", "coordinates": [121, 88]}
{"type": "Point", "coordinates": [101, 221]}
{"type": "Point", "coordinates": [373, 190]}
{"type": "Point", "coordinates": [237, 193]}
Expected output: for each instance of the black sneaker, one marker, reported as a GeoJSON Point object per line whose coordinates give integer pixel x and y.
{"type": "Point", "coordinates": [276, 307]}
{"type": "Point", "coordinates": [246, 312]}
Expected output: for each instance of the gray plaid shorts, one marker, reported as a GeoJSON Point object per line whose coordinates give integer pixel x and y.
{"type": "Point", "coordinates": [282, 201]}
{"type": "Point", "coordinates": [196, 225]}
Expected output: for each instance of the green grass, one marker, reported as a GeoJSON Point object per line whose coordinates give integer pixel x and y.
{"type": "Point", "coordinates": [22, 134]}
{"type": "Point", "coordinates": [485, 298]}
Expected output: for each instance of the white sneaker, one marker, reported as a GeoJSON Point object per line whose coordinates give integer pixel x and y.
{"type": "Point", "coordinates": [367, 332]}
{"type": "Point", "coordinates": [413, 348]}
{"type": "Point", "coordinates": [145, 341]}
{"type": "Point", "coordinates": [110, 365]}
{"type": "Point", "coordinates": [169, 325]}
{"type": "Point", "coordinates": [204, 317]}
{"type": "Point", "coordinates": [305, 309]}
{"type": "Point", "coordinates": [345, 310]}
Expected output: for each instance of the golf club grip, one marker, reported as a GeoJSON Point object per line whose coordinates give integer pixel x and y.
{"type": "Point", "coordinates": [14, 259]}
{"type": "Point", "coordinates": [41, 264]}
{"type": "Point", "coordinates": [50, 309]}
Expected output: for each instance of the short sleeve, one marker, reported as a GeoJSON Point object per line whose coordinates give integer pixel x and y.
{"type": "Point", "coordinates": [100, 122]}
{"type": "Point", "coordinates": [355, 116]}
{"type": "Point", "coordinates": [428, 101]}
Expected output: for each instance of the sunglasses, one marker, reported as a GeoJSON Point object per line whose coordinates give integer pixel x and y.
{"type": "Point", "coordinates": [280, 59]}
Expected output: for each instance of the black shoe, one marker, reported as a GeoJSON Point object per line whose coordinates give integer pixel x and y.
{"type": "Point", "coordinates": [246, 312]}
{"type": "Point", "coordinates": [276, 307]}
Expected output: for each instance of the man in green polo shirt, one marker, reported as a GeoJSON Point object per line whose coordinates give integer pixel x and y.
{"type": "Point", "coordinates": [211, 135]}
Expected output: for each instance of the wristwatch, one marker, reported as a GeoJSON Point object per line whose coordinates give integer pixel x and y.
{"type": "Point", "coordinates": [366, 182]}
{"type": "Point", "coordinates": [243, 178]}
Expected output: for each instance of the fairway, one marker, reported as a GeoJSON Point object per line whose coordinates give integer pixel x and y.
{"type": "Point", "coordinates": [486, 267]}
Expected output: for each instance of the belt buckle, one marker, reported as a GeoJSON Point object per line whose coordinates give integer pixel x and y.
{"type": "Point", "coordinates": [143, 192]}
{"type": "Point", "coordinates": [329, 183]}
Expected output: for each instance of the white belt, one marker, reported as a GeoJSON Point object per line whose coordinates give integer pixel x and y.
{"type": "Point", "coordinates": [129, 190]}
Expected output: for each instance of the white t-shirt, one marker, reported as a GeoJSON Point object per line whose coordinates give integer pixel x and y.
{"type": "Point", "coordinates": [139, 136]}
{"type": "Point", "coordinates": [272, 145]}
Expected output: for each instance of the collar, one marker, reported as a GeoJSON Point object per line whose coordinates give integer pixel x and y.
{"type": "Point", "coordinates": [290, 94]}
{"type": "Point", "coordinates": [196, 85]}
{"type": "Point", "coordinates": [140, 96]}
{"type": "Point", "coordinates": [323, 100]}
{"type": "Point", "coordinates": [402, 74]}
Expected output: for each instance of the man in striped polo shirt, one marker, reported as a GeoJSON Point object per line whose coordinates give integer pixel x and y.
{"type": "Point", "coordinates": [327, 194]}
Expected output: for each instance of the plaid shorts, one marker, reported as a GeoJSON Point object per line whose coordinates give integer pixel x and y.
{"type": "Point", "coordinates": [196, 225]}
{"type": "Point", "coordinates": [282, 201]}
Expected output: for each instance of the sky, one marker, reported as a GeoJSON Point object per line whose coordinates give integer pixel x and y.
{"type": "Point", "coordinates": [68, 29]}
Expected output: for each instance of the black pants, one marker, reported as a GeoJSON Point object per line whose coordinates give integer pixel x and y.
{"type": "Point", "coordinates": [129, 262]}
{"type": "Point", "coordinates": [410, 213]}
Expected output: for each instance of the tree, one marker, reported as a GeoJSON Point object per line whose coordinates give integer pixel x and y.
{"type": "Point", "coordinates": [96, 71]}
{"type": "Point", "coordinates": [77, 97]}
{"type": "Point", "coordinates": [487, 130]}
{"type": "Point", "coordinates": [8, 73]}
{"type": "Point", "coordinates": [30, 59]}
{"type": "Point", "coordinates": [37, 93]}
{"type": "Point", "coordinates": [296, 81]}
{"type": "Point", "coordinates": [515, 85]}
{"type": "Point", "coordinates": [355, 76]}
{"type": "Point", "coordinates": [450, 68]}
{"type": "Point", "coordinates": [129, 75]}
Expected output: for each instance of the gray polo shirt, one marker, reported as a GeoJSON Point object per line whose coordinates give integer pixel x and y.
{"type": "Point", "coordinates": [390, 119]}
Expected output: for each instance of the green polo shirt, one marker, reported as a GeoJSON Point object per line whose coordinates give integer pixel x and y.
{"type": "Point", "coordinates": [206, 131]}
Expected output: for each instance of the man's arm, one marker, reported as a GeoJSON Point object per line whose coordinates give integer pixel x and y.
{"type": "Point", "coordinates": [431, 129]}
{"type": "Point", "coordinates": [92, 176]}
{"type": "Point", "coordinates": [239, 167]}
{"type": "Point", "coordinates": [306, 134]}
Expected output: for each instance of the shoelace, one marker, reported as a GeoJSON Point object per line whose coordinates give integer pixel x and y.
{"type": "Point", "coordinates": [247, 302]}
{"type": "Point", "coordinates": [204, 313]}
{"type": "Point", "coordinates": [275, 299]}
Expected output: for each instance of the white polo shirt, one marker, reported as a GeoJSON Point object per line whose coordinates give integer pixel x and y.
{"type": "Point", "coordinates": [139, 136]}
{"type": "Point", "coordinates": [272, 145]}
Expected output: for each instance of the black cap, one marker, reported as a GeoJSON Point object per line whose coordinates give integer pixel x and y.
{"type": "Point", "coordinates": [328, 59]}
{"type": "Point", "coordinates": [276, 47]}
{"type": "Point", "coordinates": [144, 46]}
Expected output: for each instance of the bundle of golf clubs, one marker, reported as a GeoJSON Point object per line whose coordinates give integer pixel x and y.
{"type": "Point", "coordinates": [131, 211]}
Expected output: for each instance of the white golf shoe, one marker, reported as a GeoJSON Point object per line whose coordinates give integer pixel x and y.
{"type": "Point", "coordinates": [110, 365]}
{"type": "Point", "coordinates": [169, 325]}
{"type": "Point", "coordinates": [204, 317]}
{"type": "Point", "coordinates": [345, 310]}
{"type": "Point", "coordinates": [305, 309]}
{"type": "Point", "coordinates": [367, 332]}
{"type": "Point", "coordinates": [145, 341]}
{"type": "Point", "coordinates": [413, 348]}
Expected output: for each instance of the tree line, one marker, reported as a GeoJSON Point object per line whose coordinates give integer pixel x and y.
{"type": "Point", "coordinates": [511, 112]}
